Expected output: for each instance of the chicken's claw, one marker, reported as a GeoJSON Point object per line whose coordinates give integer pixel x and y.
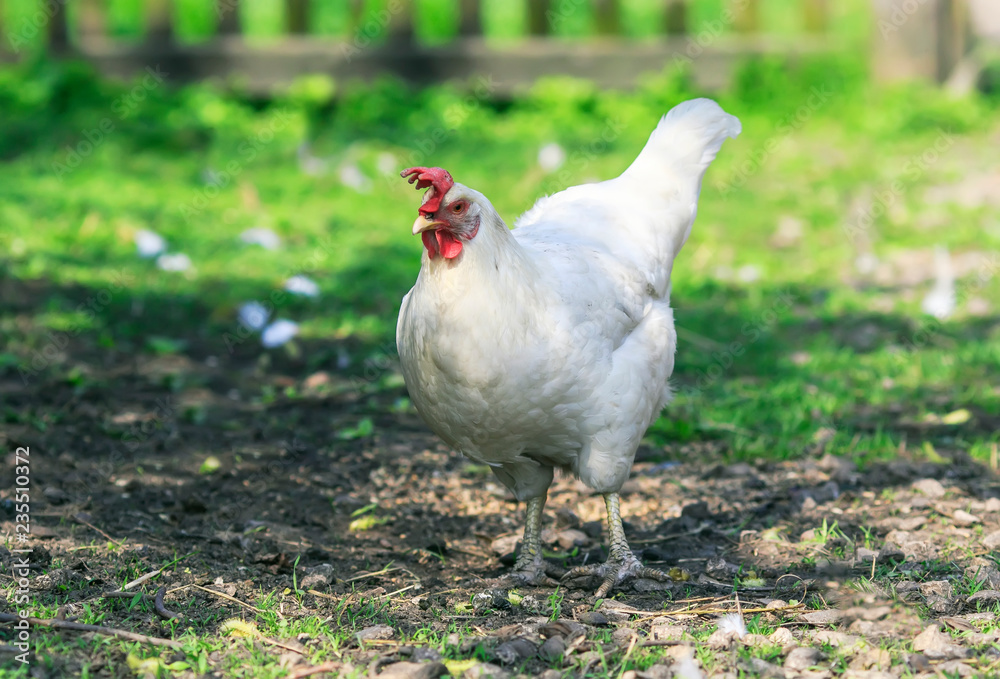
{"type": "Point", "coordinates": [615, 572]}
{"type": "Point", "coordinates": [538, 572]}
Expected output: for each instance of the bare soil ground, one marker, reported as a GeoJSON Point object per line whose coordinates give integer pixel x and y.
{"type": "Point", "coordinates": [394, 543]}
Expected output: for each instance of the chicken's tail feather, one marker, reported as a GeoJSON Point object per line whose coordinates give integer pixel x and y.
{"type": "Point", "coordinates": [683, 145]}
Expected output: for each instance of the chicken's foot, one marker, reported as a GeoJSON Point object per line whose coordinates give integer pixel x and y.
{"type": "Point", "coordinates": [621, 564]}
{"type": "Point", "coordinates": [530, 568]}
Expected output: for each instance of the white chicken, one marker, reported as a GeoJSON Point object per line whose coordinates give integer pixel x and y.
{"type": "Point", "coordinates": [550, 346]}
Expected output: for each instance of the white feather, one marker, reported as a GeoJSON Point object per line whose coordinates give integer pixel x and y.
{"type": "Point", "coordinates": [733, 622]}
{"type": "Point", "coordinates": [551, 345]}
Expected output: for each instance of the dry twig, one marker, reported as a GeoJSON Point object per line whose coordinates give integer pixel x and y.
{"type": "Point", "coordinates": [97, 629]}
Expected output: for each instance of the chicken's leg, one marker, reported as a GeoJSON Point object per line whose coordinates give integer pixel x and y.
{"type": "Point", "coordinates": [621, 563]}
{"type": "Point", "coordinates": [530, 568]}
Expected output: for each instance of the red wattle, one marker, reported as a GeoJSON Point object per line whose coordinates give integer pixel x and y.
{"type": "Point", "coordinates": [450, 246]}
{"type": "Point", "coordinates": [428, 238]}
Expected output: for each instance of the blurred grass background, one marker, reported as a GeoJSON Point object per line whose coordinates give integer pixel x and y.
{"type": "Point", "coordinates": [852, 363]}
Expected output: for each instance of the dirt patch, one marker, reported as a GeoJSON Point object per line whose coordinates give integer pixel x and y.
{"type": "Point", "coordinates": [243, 496]}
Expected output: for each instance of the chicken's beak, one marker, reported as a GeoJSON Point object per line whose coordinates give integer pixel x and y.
{"type": "Point", "coordinates": [423, 224]}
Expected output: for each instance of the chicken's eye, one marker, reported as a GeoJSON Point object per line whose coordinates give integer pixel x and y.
{"type": "Point", "coordinates": [458, 208]}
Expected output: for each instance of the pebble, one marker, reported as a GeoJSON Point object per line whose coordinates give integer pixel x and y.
{"type": "Point", "coordinates": [929, 487]}
{"type": "Point", "coordinates": [802, 658]}
{"type": "Point", "coordinates": [964, 518]}
{"type": "Point", "coordinates": [376, 633]}
{"type": "Point", "coordinates": [414, 670]}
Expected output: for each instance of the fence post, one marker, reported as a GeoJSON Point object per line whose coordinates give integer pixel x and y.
{"type": "Point", "coordinates": [297, 16]}
{"type": "Point", "coordinates": [815, 15]}
{"type": "Point", "coordinates": [228, 12]}
{"type": "Point", "coordinates": [470, 19]}
{"type": "Point", "coordinates": [746, 15]}
{"type": "Point", "coordinates": [538, 17]}
{"type": "Point", "coordinates": [159, 21]}
{"type": "Point", "coordinates": [58, 30]}
{"type": "Point", "coordinates": [924, 43]}
{"type": "Point", "coordinates": [400, 27]}
{"type": "Point", "coordinates": [92, 24]}
{"type": "Point", "coordinates": [607, 17]}
{"type": "Point", "coordinates": [675, 17]}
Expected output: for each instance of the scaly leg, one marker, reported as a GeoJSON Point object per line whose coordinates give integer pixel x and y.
{"type": "Point", "coordinates": [621, 563]}
{"type": "Point", "coordinates": [530, 568]}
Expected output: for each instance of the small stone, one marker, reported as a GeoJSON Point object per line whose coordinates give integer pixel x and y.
{"type": "Point", "coordinates": [516, 650]}
{"type": "Point", "coordinates": [992, 541]}
{"type": "Point", "coordinates": [864, 555]}
{"type": "Point", "coordinates": [553, 648]}
{"type": "Point", "coordinates": [931, 639]}
{"type": "Point", "coordinates": [414, 670]}
{"type": "Point", "coordinates": [718, 568]}
{"type": "Point", "coordinates": [929, 487]}
{"type": "Point", "coordinates": [802, 658]}
{"type": "Point", "coordinates": [486, 670]}
{"type": "Point", "coordinates": [964, 518]}
{"type": "Point", "coordinates": [890, 553]}
{"type": "Point", "coordinates": [570, 538]}
{"type": "Point", "coordinates": [376, 633]}
{"type": "Point", "coordinates": [721, 640]}
{"type": "Point", "coordinates": [661, 631]}
{"type": "Point", "coordinates": [827, 617]}
{"type": "Point", "coordinates": [594, 618]}
{"type": "Point", "coordinates": [918, 662]}
{"type": "Point", "coordinates": [911, 523]}
{"type": "Point", "coordinates": [782, 637]}
{"type": "Point", "coordinates": [697, 510]}
{"type": "Point", "coordinates": [837, 639]}
{"type": "Point", "coordinates": [984, 595]}
{"type": "Point", "coordinates": [873, 659]}
{"type": "Point", "coordinates": [955, 668]}
{"type": "Point", "coordinates": [992, 505]}
{"type": "Point", "coordinates": [936, 588]}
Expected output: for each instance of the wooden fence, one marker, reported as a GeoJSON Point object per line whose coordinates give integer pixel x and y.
{"type": "Point", "coordinates": [607, 57]}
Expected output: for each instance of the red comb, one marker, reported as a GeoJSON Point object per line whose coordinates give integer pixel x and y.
{"type": "Point", "coordinates": [438, 180]}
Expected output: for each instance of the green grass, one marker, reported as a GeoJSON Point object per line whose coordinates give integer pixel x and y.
{"type": "Point", "coordinates": [804, 353]}
{"type": "Point", "coordinates": [803, 350]}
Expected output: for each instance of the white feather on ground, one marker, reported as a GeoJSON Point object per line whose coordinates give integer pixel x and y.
{"type": "Point", "coordinates": [264, 237]}
{"type": "Point", "coordinates": [940, 301]}
{"type": "Point", "coordinates": [300, 285]}
{"type": "Point", "coordinates": [686, 668]}
{"type": "Point", "coordinates": [278, 333]}
{"type": "Point", "coordinates": [177, 261]}
{"type": "Point", "coordinates": [149, 243]}
{"type": "Point", "coordinates": [551, 157]}
{"type": "Point", "coordinates": [253, 315]}
{"type": "Point", "coordinates": [733, 623]}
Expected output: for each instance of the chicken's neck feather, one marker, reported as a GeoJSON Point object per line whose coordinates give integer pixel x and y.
{"type": "Point", "coordinates": [491, 262]}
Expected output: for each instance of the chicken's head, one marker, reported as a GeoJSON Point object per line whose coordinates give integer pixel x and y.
{"type": "Point", "coordinates": [449, 215]}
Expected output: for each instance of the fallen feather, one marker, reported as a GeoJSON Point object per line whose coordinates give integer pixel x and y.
{"type": "Point", "coordinates": [300, 285]}
{"type": "Point", "coordinates": [253, 315]}
{"type": "Point", "coordinates": [174, 262]}
{"type": "Point", "coordinates": [149, 243]}
{"type": "Point", "coordinates": [278, 333]}
{"type": "Point", "coordinates": [551, 157]}
{"type": "Point", "coordinates": [261, 236]}
{"type": "Point", "coordinates": [352, 177]}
